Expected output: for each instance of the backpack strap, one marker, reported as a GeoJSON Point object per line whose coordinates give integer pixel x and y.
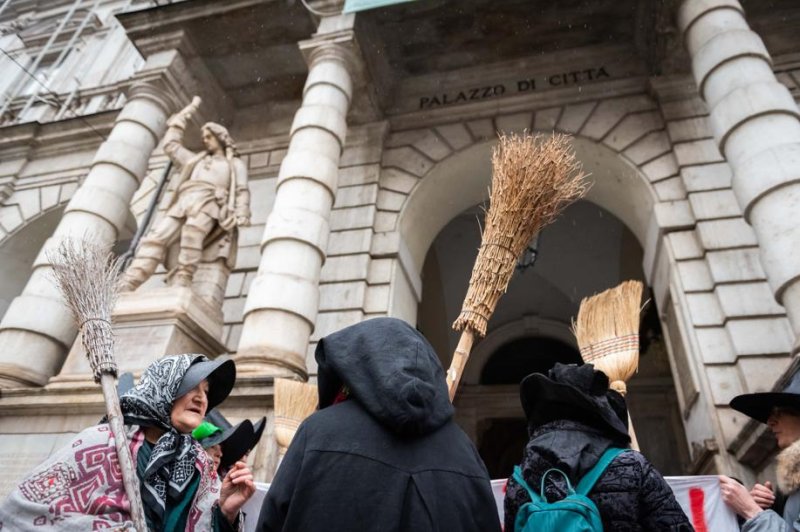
{"type": "Point", "coordinates": [590, 479]}
{"type": "Point", "coordinates": [521, 481]}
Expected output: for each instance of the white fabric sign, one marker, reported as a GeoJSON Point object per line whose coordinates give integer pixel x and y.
{"type": "Point", "coordinates": [701, 500]}
{"type": "Point", "coordinates": [252, 507]}
{"type": "Point", "coordinates": [699, 496]}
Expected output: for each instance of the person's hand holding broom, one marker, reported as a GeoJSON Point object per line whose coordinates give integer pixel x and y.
{"type": "Point", "coordinates": [534, 178]}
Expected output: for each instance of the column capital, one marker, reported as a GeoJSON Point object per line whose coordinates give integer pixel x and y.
{"type": "Point", "coordinates": [154, 90]}
{"type": "Point", "coordinates": [339, 46]}
{"type": "Point", "coordinates": [337, 41]}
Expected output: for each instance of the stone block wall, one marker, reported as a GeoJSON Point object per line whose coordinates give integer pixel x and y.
{"type": "Point", "coordinates": [742, 339]}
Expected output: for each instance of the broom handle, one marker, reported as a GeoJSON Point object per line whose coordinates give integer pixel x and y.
{"type": "Point", "coordinates": [129, 478]}
{"type": "Point", "coordinates": [459, 361]}
{"type": "Point", "coordinates": [634, 441]}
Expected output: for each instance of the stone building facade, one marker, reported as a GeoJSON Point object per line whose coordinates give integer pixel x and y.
{"type": "Point", "coordinates": [367, 138]}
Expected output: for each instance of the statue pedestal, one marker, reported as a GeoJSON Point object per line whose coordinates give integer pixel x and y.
{"type": "Point", "coordinates": [149, 325]}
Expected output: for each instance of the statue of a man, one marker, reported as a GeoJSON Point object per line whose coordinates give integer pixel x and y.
{"type": "Point", "coordinates": [211, 199]}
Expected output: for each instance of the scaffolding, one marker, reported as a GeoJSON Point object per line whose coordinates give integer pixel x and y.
{"type": "Point", "coordinates": [19, 100]}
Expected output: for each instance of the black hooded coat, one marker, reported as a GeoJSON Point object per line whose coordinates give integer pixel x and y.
{"type": "Point", "coordinates": [390, 457]}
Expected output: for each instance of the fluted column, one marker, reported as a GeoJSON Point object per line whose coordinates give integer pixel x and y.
{"type": "Point", "coordinates": [283, 299]}
{"type": "Point", "coordinates": [756, 124]}
{"type": "Point", "coordinates": [37, 330]}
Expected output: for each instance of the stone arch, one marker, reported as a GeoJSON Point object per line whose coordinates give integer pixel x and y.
{"type": "Point", "coordinates": [26, 206]}
{"type": "Point", "coordinates": [18, 251]}
{"type": "Point", "coordinates": [622, 142]}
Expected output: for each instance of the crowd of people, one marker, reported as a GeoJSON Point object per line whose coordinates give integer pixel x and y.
{"type": "Point", "coordinates": [382, 452]}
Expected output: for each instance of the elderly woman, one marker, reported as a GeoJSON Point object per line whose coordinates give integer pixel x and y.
{"type": "Point", "coordinates": [781, 413]}
{"type": "Point", "coordinates": [80, 486]}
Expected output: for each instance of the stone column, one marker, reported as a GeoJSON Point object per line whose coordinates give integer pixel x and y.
{"type": "Point", "coordinates": [37, 330]}
{"type": "Point", "coordinates": [756, 124]}
{"type": "Point", "coordinates": [283, 300]}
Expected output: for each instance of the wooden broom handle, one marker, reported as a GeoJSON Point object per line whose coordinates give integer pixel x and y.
{"type": "Point", "coordinates": [634, 441]}
{"type": "Point", "coordinates": [459, 361]}
{"type": "Point", "coordinates": [128, 469]}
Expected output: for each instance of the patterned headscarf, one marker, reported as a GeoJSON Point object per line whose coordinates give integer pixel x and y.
{"type": "Point", "coordinates": [149, 403]}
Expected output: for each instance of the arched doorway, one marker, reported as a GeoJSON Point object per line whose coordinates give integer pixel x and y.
{"type": "Point", "coordinates": [501, 440]}
{"type": "Point", "coordinates": [586, 251]}
{"type": "Point", "coordinates": [598, 242]}
{"type": "Point", "coordinates": [18, 252]}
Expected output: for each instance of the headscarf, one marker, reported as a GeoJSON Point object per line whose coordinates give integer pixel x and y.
{"type": "Point", "coordinates": [149, 404]}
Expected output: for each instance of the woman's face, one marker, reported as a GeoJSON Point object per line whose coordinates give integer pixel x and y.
{"type": "Point", "coordinates": [785, 425]}
{"type": "Point", "coordinates": [189, 410]}
{"type": "Point", "coordinates": [215, 452]}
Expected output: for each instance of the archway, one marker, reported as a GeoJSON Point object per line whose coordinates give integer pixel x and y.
{"type": "Point", "coordinates": [597, 243]}
{"type": "Point", "coordinates": [19, 250]}
{"type": "Point", "coordinates": [434, 201]}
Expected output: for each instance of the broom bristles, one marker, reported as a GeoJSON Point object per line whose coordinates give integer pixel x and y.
{"type": "Point", "coordinates": [87, 275]}
{"type": "Point", "coordinates": [294, 402]}
{"type": "Point", "coordinates": [607, 331]}
{"type": "Point", "coordinates": [534, 178]}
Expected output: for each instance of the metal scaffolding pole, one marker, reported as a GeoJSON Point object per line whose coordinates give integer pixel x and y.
{"type": "Point", "coordinates": [62, 56]}
{"type": "Point", "coordinates": [12, 93]}
{"type": "Point", "coordinates": [4, 6]}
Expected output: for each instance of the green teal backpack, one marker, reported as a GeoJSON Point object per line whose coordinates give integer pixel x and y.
{"type": "Point", "coordinates": [574, 513]}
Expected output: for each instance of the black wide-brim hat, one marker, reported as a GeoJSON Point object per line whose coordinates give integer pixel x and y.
{"type": "Point", "coordinates": [235, 442]}
{"type": "Point", "coordinates": [759, 405]}
{"type": "Point", "coordinates": [258, 431]}
{"type": "Point", "coordinates": [221, 376]}
{"type": "Point", "coordinates": [570, 389]}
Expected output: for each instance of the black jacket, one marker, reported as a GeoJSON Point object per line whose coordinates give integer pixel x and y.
{"type": "Point", "coordinates": [631, 495]}
{"type": "Point", "coordinates": [390, 457]}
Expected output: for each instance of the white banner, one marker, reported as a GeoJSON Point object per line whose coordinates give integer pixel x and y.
{"type": "Point", "coordinates": [699, 496]}
{"type": "Point", "coordinates": [701, 500]}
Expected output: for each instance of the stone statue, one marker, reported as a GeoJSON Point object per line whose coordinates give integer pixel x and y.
{"type": "Point", "coordinates": [210, 201]}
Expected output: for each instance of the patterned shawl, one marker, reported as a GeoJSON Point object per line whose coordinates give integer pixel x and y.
{"type": "Point", "coordinates": [149, 403]}
{"type": "Point", "coordinates": [79, 487]}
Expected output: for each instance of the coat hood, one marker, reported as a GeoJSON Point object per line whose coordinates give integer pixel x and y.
{"type": "Point", "coordinates": [570, 446]}
{"type": "Point", "coordinates": [391, 370]}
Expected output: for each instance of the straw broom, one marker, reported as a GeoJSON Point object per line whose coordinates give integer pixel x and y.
{"type": "Point", "coordinates": [87, 276]}
{"type": "Point", "coordinates": [294, 401]}
{"type": "Point", "coordinates": [607, 331]}
{"type": "Point", "coordinates": [534, 178]}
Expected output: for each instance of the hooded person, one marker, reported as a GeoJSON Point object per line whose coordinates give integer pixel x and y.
{"type": "Point", "coordinates": [573, 419]}
{"type": "Point", "coordinates": [80, 486]}
{"type": "Point", "coordinates": [780, 411]}
{"type": "Point", "coordinates": [225, 443]}
{"type": "Point", "coordinates": [382, 452]}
